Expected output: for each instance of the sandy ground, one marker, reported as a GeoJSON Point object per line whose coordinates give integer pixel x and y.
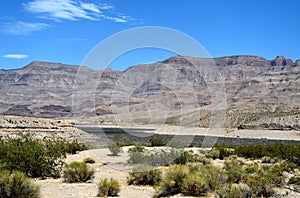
{"type": "Point", "coordinates": [106, 166]}
{"type": "Point", "coordinates": [270, 134]}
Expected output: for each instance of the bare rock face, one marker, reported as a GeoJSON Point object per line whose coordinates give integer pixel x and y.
{"type": "Point", "coordinates": [12, 126]}
{"type": "Point", "coordinates": [254, 61]}
{"type": "Point", "coordinates": [53, 90]}
{"type": "Point", "coordinates": [281, 61]}
{"type": "Point", "coordinates": [21, 110]}
{"type": "Point", "coordinates": [178, 60]}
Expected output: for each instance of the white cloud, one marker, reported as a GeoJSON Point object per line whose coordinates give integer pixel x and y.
{"type": "Point", "coordinates": [63, 9]}
{"type": "Point", "coordinates": [106, 7]}
{"type": "Point", "coordinates": [22, 28]}
{"type": "Point", "coordinates": [115, 19]}
{"type": "Point", "coordinates": [91, 7]}
{"type": "Point", "coordinates": [15, 56]}
{"type": "Point", "coordinates": [74, 10]}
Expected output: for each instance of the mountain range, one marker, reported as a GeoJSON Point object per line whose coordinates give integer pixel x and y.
{"type": "Point", "coordinates": [252, 91]}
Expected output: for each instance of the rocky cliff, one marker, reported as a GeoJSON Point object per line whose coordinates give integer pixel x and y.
{"type": "Point", "coordinates": [168, 91]}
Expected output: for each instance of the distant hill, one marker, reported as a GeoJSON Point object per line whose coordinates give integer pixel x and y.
{"type": "Point", "coordinates": [259, 93]}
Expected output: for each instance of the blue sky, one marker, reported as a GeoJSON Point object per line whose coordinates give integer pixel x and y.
{"type": "Point", "coordinates": [66, 30]}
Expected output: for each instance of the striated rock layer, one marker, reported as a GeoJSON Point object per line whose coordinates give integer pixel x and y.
{"type": "Point", "coordinates": [179, 90]}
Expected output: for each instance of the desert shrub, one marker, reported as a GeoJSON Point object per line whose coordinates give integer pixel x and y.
{"type": "Point", "coordinates": [114, 148]}
{"type": "Point", "coordinates": [77, 172]}
{"type": "Point", "coordinates": [215, 176]}
{"type": "Point", "coordinates": [154, 158]}
{"type": "Point", "coordinates": [136, 156]}
{"type": "Point", "coordinates": [36, 158]}
{"type": "Point", "coordinates": [261, 179]}
{"type": "Point", "coordinates": [17, 185]}
{"type": "Point", "coordinates": [224, 149]}
{"type": "Point", "coordinates": [237, 191]}
{"type": "Point", "coordinates": [194, 184]}
{"type": "Point", "coordinates": [4, 178]}
{"type": "Point", "coordinates": [213, 153]}
{"type": "Point", "coordinates": [162, 157]}
{"type": "Point", "coordinates": [251, 168]}
{"type": "Point", "coordinates": [295, 180]}
{"type": "Point", "coordinates": [122, 142]}
{"type": "Point", "coordinates": [158, 140]}
{"type": "Point", "coordinates": [204, 160]}
{"type": "Point", "coordinates": [144, 175]}
{"type": "Point", "coordinates": [290, 152]}
{"type": "Point", "coordinates": [284, 165]}
{"type": "Point", "coordinates": [259, 186]}
{"type": "Point", "coordinates": [136, 148]}
{"type": "Point", "coordinates": [108, 187]}
{"type": "Point", "coordinates": [165, 157]}
{"type": "Point", "coordinates": [194, 179]}
{"type": "Point", "coordinates": [89, 160]}
{"type": "Point", "coordinates": [71, 147]}
{"type": "Point", "coordinates": [233, 170]}
{"type": "Point", "coordinates": [186, 157]}
{"type": "Point", "coordinates": [267, 159]}
{"type": "Point", "coordinates": [173, 180]}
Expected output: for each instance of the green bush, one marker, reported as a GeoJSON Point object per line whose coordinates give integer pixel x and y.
{"type": "Point", "coordinates": [136, 156]}
{"type": "Point", "coordinates": [154, 158]}
{"type": "Point", "coordinates": [233, 170]}
{"type": "Point", "coordinates": [136, 149]}
{"type": "Point", "coordinates": [194, 184]}
{"type": "Point", "coordinates": [36, 158]}
{"type": "Point", "coordinates": [194, 179]}
{"type": "Point", "coordinates": [71, 147]}
{"type": "Point", "coordinates": [158, 140]}
{"type": "Point", "coordinates": [122, 142]}
{"type": "Point", "coordinates": [17, 185]}
{"type": "Point", "coordinates": [77, 172]}
{"type": "Point", "coordinates": [225, 150]}
{"type": "Point", "coordinates": [213, 174]}
{"type": "Point", "coordinates": [144, 175]}
{"type": "Point", "coordinates": [186, 157]}
{"type": "Point", "coordinates": [213, 153]}
{"type": "Point", "coordinates": [108, 187]}
{"type": "Point", "coordinates": [290, 152]}
{"type": "Point", "coordinates": [295, 180]}
{"type": "Point", "coordinates": [284, 165]}
{"type": "Point", "coordinates": [237, 191]}
{"type": "Point", "coordinates": [114, 148]}
{"type": "Point", "coordinates": [173, 180]}
{"type": "Point", "coordinates": [204, 160]}
{"type": "Point", "coordinates": [262, 180]}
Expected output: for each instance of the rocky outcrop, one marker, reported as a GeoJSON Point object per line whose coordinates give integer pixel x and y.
{"type": "Point", "coordinates": [11, 126]}
{"type": "Point", "coordinates": [254, 61]}
{"type": "Point", "coordinates": [281, 61]}
{"type": "Point", "coordinates": [149, 91]}
{"type": "Point", "coordinates": [21, 110]}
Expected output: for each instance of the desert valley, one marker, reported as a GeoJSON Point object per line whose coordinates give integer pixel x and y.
{"type": "Point", "coordinates": [165, 115]}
